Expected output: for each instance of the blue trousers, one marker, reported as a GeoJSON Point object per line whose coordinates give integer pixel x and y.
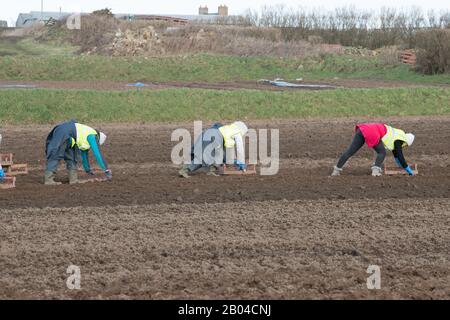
{"type": "Point", "coordinates": [58, 147]}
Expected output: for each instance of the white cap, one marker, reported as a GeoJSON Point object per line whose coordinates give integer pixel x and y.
{"type": "Point", "coordinates": [409, 138]}
{"type": "Point", "coordinates": [242, 127]}
{"type": "Point", "coordinates": [102, 138]}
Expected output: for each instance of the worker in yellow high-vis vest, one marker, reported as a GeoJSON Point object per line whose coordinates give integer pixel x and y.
{"type": "Point", "coordinates": [225, 136]}
{"type": "Point", "coordinates": [380, 137]}
{"type": "Point", "coordinates": [65, 142]}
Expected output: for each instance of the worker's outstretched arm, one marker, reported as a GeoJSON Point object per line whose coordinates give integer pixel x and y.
{"type": "Point", "coordinates": [85, 161]}
{"type": "Point", "coordinates": [96, 151]}
{"type": "Point", "coordinates": [399, 158]}
{"type": "Point", "coordinates": [240, 152]}
{"type": "Point", "coordinates": [240, 149]}
{"type": "Point", "coordinates": [2, 173]}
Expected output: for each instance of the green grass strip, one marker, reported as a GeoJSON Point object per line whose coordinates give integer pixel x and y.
{"type": "Point", "coordinates": [170, 105]}
{"type": "Point", "coordinates": [202, 67]}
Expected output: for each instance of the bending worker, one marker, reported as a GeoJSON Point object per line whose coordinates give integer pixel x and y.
{"type": "Point", "coordinates": [65, 142]}
{"type": "Point", "coordinates": [379, 137]}
{"type": "Point", "coordinates": [226, 137]}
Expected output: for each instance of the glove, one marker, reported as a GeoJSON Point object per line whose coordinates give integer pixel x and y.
{"type": "Point", "coordinates": [410, 172]}
{"type": "Point", "coordinates": [108, 174]}
{"type": "Point", "coordinates": [240, 165]}
{"type": "Point", "coordinates": [2, 174]}
{"type": "Point", "coordinates": [398, 163]}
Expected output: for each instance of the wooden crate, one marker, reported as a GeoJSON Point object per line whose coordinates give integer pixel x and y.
{"type": "Point", "coordinates": [6, 159]}
{"type": "Point", "coordinates": [396, 170]}
{"type": "Point", "coordinates": [16, 169]}
{"type": "Point", "coordinates": [408, 57]}
{"type": "Point", "coordinates": [8, 183]}
{"type": "Point", "coordinates": [233, 170]}
{"type": "Point", "coordinates": [11, 170]}
{"type": "Point", "coordinates": [90, 180]}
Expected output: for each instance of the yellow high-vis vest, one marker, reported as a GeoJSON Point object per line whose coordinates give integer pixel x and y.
{"type": "Point", "coordinates": [83, 132]}
{"type": "Point", "coordinates": [228, 133]}
{"type": "Point", "coordinates": [391, 136]}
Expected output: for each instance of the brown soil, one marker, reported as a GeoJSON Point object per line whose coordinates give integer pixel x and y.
{"type": "Point", "coordinates": [143, 173]}
{"type": "Point", "coordinates": [232, 85]}
{"type": "Point", "coordinates": [298, 234]}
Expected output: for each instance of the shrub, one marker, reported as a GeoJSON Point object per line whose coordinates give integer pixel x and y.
{"type": "Point", "coordinates": [97, 30]}
{"type": "Point", "coordinates": [103, 12]}
{"type": "Point", "coordinates": [389, 56]}
{"type": "Point", "coordinates": [349, 26]}
{"type": "Point", "coordinates": [433, 51]}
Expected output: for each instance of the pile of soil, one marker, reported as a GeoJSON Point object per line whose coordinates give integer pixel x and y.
{"type": "Point", "coordinates": [136, 42]}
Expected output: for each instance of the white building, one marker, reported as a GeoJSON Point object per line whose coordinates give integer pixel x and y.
{"type": "Point", "coordinates": [28, 19]}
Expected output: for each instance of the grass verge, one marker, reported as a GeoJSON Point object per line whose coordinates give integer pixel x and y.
{"type": "Point", "coordinates": [202, 67]}
{"type": "Point", "coordinates": [28, 48]}
{"type": "Point", "coordinates": [50, 106]}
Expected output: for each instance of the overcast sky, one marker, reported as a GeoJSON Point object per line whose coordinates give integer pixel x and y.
{"type": "Point", "coordinates": [9, 10]}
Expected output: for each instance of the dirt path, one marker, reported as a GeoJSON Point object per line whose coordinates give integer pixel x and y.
{"type": "Point", "coordinates": [232, 85]}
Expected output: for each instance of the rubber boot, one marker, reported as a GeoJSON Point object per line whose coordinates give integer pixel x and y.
{"type": "Point", "coordinates": [184, 172]}
{"type": "Point", "coordinates": [73, 177]}
{"type": "Point", "coordinates": [376, 171]}
{"type": "Point", "coordinates": [49, 179]}
{"type": "Point", "coordinates": [336, 171]}
{"type": "Point", "coordinates": [212, 171]}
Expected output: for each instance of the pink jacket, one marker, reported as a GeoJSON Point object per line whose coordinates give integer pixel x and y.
{"type": "Point", "coordinates": [372, 132]}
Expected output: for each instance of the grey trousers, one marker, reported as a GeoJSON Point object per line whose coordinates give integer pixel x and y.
{"type": "Point", "coordinates": [357, 143]}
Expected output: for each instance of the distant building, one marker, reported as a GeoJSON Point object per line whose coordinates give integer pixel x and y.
{"type": "Point", "coordinates": [222, 11]}
{"type": "Point", "coordinates": [203, 10]}
{"type": "Point", "coordinates": [152, 17]}
{"type": "Point", "coordinates": [203, 16]}
{"type": "Point", "coordinates": [3, 24]}
{"type": "Point", "coordinates": [28, 19]}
